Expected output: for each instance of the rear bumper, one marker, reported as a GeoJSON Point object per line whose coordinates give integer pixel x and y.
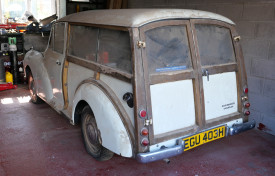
{"type": "Point", "coordinates": [161, 154]}
{"type": "Point", "coordinates": [238, 128]}
{"type": "Point", "coordinates": [179, 148]}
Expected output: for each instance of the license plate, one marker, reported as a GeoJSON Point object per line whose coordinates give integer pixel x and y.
{"type": "Point", "coordinates": [203, 137]}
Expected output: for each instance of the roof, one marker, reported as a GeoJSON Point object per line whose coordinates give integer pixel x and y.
{"type": "Point", "coordinates": [138, 17]}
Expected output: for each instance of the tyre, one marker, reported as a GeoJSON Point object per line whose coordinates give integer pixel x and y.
{"type": "Point", "coordinates": [34, 98]}
{"type": "Point", "coordinates": [91, 136]}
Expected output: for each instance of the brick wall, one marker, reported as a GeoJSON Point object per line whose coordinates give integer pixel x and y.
{"type": "Point", "coordinates": [255, 21]}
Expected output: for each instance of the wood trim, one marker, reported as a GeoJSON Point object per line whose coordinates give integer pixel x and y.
{"type": "Point", "coordinates": [101, 68]}
{"type": "Point", "coordinates": [199, 84]}
{"type": "Point", "coordinates": [176, 134]}
{"type": "Point", "coordinates": [222, 119]}
{"type": "Point", "coordinates": [211, 21]}
{"type": "Point", "coordinates": [164, 77]}
{"type": "Point", "coordinates": [139, 89]}
{"type": "Point", "coordinates": [221, 68]}
{"type": "Point", "coordinates": [242, 78]}
{"type": "Point", "coordinates": [118, 106]}
{"type": "Point", "coordinates": [65, 84]}
{"type": "Point", "coordinates": [65, 70]}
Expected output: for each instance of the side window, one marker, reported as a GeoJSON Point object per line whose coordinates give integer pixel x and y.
{"type": "Point", "coordinates": [115, 49]}
{"type": "Point", "coordinates": [58, 37]}
{"type": "Point", "coordinates": [83, 42]}
{"type": "Point", "coordinates": [215, 45]}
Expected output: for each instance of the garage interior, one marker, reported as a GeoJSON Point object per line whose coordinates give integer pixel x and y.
{"type": "Point", "coordinates": [36, 140]}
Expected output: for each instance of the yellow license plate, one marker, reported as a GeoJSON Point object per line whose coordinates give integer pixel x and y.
{"type": "Point", "coordinates": [203, 137]}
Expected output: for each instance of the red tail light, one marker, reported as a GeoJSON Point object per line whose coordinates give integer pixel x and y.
{"type": "Point", "coordinates": [144, 132]}
{"type": "Point", "coordinates": [246, 112]}
{"type": "Point", "coordinates": [142, 113]}
{"type": "Point", "coordinates": [245, 90]}
{"type": "Point", "coordinates": [247, 104]}
{"type": "Point", "coordinates": [145, 142]}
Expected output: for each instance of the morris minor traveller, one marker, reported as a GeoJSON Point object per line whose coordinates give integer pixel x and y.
{"type": "Point", "coordinates": [148, 84]}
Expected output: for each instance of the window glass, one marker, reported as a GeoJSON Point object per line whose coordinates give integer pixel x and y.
{"type": "Point", "coordinates": [59, 37]}
{"type": "Point", "coordinates": [167, 49]}
{"type": "Point", "coordinates": [115, 49]}
{"type": "Point", "coordinates": [83, 42]}
{"type": "Point", "coordinates": [215, 45]}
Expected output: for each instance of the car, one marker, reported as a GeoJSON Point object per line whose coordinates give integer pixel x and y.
{"type": "Point", "coordinates": [147, 84]}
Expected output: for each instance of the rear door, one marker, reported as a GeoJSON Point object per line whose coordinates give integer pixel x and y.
{"type": "Point", "coordinates": [218, 71]}
{"type": "Point", "coordinates": [171, 79]}
{"type": "Point", "coordinates": [191, 76]}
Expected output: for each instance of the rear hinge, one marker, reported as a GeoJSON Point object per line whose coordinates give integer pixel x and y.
{"type": "Point", "coordinates": [237, 38]}
{"type": "Point", "coordinates": [148, 122]}
{"type": "Point", "coordinates": [141, 44]}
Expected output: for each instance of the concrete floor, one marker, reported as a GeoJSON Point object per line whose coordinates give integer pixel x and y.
{"type": "Point", "coordinates": [35, 140]}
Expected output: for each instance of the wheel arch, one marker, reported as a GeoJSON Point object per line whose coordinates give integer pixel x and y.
{"type": "Point", "coordinates": [108, 116]}
{"type": "Point", "coordinates": [27, 71]}
{"type": "Point", "coordinates": [77, 112]}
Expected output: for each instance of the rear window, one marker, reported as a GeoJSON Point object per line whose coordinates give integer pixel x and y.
{"type": "Point", "coordinates": [167, 49]}
{"type": "Point", "coordinates": [215, 45]}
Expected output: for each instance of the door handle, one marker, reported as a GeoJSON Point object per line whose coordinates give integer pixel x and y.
{"type": "Point", "coordinates": [205, 72]}
{"type": "Point", "coordinates": [58, 62]}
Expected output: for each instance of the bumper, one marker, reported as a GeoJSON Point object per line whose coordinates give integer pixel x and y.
{"type": "Point", "coordinates": [161, 154]}
{"type": "Point", "coordinates": [179, 148]}
{"type": "Point", "coordinates": [238, 128]}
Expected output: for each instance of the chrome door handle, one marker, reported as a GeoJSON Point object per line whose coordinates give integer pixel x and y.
{"type": "Point", "coordinates": [205, 72]}
{"type": "Point", "coordinates": [58, 62]}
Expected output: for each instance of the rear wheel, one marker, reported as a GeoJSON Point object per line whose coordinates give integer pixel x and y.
{"type": "Point", "coordinates": [91, 136]}
{"type": "Point", "coordinates": [34, 98]}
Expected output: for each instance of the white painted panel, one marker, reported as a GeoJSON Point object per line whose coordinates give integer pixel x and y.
{"type": "Point", "coordinates": [76, 74]}
{"type": "Point", "coordinates": [120, 88]}
{"type": "Point", "coordinates": [220, 95]}
{"type": "Point", "coordinates": [172, 106]}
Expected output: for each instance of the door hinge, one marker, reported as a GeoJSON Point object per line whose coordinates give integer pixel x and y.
{"type": "Point", "coordinates": [141, 44]}
{"type": "Point", "coordinates": [237, 38]}
{"type": "Point", "coordinates": [148, 122]}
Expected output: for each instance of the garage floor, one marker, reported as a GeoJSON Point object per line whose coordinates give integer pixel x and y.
{"type": "Point", "coordinates": [35, 140]}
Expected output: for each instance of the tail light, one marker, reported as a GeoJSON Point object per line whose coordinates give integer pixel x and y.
{"type": "Point", "coordinates": [245, 90]}
{"type": "Point", "coordinates": [142, 114]}
{"type": "Point", "coordinates": [145, 142]}
{"type": "Point", "coordinates": [144, 132]}
{"type": "Point", "coordinates": [246, 112]}
{"type": "Point", "coordinates": [246, 104]}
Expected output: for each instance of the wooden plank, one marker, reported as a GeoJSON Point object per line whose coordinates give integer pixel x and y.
{"type": "Point", "coordinates": [101, 68]}
{"type": "Point", "coordinates": [164, 77]}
